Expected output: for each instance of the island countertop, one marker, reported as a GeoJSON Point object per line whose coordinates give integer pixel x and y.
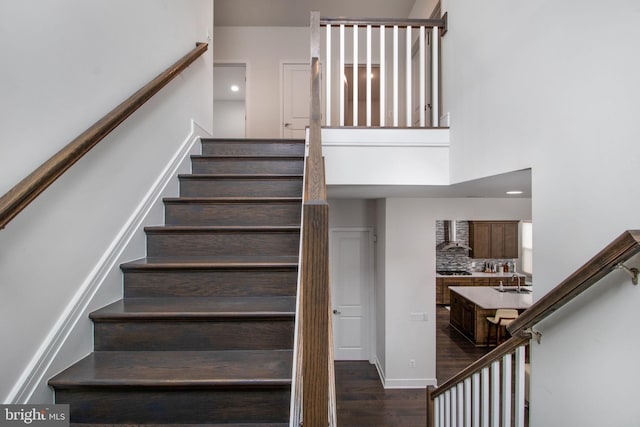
{"type": "Point", "coordinates": [487, 297]}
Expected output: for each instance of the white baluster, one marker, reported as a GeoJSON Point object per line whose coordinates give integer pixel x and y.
{"type": "Point", "coordinates": [506, 391]}
{"type": "Point", "coordinates": [442, 411]}
{"type": "Point", "coordinates": [461, 404]}
{"type": "Point", "coordinates": [368, 76]}
{"type": "Point", "coordinates": [342, 76]}
{"type": "Point", "coordinates": [447, 408]}
{"type": "Point", "coordinates": [436, 412]}
{"type": "Point", "coordinates": [423, 78]}
{"type": "Point", "coordinates": [395, 76]}
{"type": "Point", "coordinates": [327, 119]}
{"type": "Point", "coordinates": [356, 77]}
{"type": "Point", "coordinates": [467, 402]}
{"type": "Point", "coordinates": [383, 77]}
{"type": "Point", "coordinates": [475, 380]}
{"type": "Point", "coordinates": [454, 407]}
{"type": "Point", "coordinates": [408, 83]}
{"type": "Point", "coordinates": [495, 394]}
{"type": "Point", "coordinates": [519, 386]}
{"type": "Point", "coordinates": [485, 398]}
{"type": "Point", "coordinates": [435, 96]}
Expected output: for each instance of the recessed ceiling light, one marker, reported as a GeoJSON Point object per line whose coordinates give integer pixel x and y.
{"type": "Point", "coordinates": [514, 192]}
{"type": "Point", "coordinates": [234, 88]}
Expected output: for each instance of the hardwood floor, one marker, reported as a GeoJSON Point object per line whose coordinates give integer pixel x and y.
{"type": "Point", "coordinates": [363, 402]}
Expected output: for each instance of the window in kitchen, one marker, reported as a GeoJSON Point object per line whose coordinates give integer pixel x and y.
{"type": "Point", "coordinates": [527, 247]}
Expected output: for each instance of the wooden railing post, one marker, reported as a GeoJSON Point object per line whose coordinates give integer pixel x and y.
{"type": "Point", "coordinates": [430, 413]}
{"type": "Point", "coordinates": [315, 281]}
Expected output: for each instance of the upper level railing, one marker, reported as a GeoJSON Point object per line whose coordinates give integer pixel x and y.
{"type": "Point", "coordinates": [23, 193]}
{"type": "Point", "coordinates": [482, 393]}
{"type": "Point", "coordinates": [384, 75]}
{"type": "Point", "coordinates": [313, 392]}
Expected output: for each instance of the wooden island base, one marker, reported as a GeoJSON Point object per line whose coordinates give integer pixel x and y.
{"type": "Point", "coordinates": [470, 307]}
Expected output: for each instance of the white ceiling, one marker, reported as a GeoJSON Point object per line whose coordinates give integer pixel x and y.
{"type": "Point", "coordinates": [491, 187]}
{"type": "Point", "coordinates": [295, 13]}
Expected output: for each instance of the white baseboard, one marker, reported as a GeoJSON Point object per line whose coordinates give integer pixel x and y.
{"type": "Point", "coordinates": [36, 374]}
{"type": "Point", "coordinates": [389, 383]}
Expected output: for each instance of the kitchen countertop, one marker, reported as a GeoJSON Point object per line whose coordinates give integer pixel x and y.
{"type": "Point", "coordinates": [478, 274]}
{"type": "Point", "coordinates": [489, 298]}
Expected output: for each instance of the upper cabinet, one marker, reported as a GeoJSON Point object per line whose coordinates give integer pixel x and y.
{"type": "Point", "coordinates": [493, 239]}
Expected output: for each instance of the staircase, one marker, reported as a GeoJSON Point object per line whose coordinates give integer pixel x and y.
{"type": "Point", "coordinates": [204, 334]}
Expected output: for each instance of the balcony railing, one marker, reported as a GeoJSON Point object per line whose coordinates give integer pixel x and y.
{"type": "Point", "coordinates": [382, 72]}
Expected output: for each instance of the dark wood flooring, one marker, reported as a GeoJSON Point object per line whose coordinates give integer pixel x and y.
{"type": "Point", "coordinates": [363, 402]}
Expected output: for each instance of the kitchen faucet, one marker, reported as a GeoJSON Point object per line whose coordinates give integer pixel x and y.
{"type": "Point", "coordinates": [515, 276]}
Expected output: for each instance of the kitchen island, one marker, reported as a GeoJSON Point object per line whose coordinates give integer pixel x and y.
{"type": "Point", "coordinates": [471, 305]}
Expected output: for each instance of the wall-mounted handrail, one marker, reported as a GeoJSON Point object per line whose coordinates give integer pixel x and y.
{"type": "Point", "coordinates": [607, 260]}
{"type": "Point", "coordinates": [23, 193]}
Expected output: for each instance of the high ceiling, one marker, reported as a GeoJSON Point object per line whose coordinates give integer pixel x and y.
{"type": "Point", "coordinates": [295, 13]}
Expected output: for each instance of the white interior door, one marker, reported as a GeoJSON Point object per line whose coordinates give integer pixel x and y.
{"type": "Point", "coordinates": [351, 255]}
{"type": "Point", "coordinates": [295, 99]}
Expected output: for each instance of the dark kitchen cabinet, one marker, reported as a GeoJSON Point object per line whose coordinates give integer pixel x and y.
{"type": "Point", "coordinates": [463, 315]}
{"type": "Point", "coordinates": [455, 281]}
{"type": "Point", "coordinates": [439, 290]}
{"type": "Point", "coordinates": [493, 239]}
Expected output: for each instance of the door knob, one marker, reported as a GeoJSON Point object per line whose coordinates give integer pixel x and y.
{"type": "Point", "coordinates": [336, 312]}
{"type": "Point", "coordinates": [287, 125]}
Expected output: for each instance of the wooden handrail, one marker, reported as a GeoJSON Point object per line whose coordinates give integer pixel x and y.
{"type": "Point", "coordinates": [23, 193]}
{"type": "Point", "coordinates": [401, 23]}
{"type": "Point", "coordinates": [618, 251]}
{"type": "Point", "coordinates": [497, 353]}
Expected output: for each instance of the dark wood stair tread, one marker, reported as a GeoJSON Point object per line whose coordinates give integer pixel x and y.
{"type": "Point", "coordinates": [183, 425]}
{"type": "Point", "coordinates": [219, 228]}
{"type": "Point", "coordinates": [253, 140]}
{"type": "Point", "coordinates": [186, 308]}
{"type": "Point", "coordinates": [222, 176]}
{"type": "Point", "coordinates": [203, 200]}
{"type": "Point", "coordinates": [265, 157]}
{"type": "Point", "coordinates": [190, 369]}
{"type": "Point", "coordinates": [211, 262]}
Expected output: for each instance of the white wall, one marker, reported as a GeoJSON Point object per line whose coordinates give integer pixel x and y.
{"type": "Point", "coordinates": [546, 84]}
{"type": "Point", "coordinates": [410, 277]}
{"type": "Point", "coordinates": [228, 119]}
{"type": "Point", "coordinates": [264, 66]}
{"type": "Point", "coordinates": [405, 272]}
{"type": "Point", "coordinates": [65, 64]}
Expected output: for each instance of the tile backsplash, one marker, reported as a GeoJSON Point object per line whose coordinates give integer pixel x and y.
{"type": "Point", "coordinates": [458, 259]}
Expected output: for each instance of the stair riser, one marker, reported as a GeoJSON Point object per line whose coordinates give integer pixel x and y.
{"type": "Point", "coordinates": [210, 283]}
{"type": "Point", "coordinates": [190, 187]}
{"type": "Point", "coordinates": [139, 335]}
{"type": "Point", "coordinates": [244, 166]}
{"type": "Point", "coordinates": [223, 243]}
{"type": "Point", "coordinates": [179, 406]}
{"type": "Point", "coordinates": [270, 214]}
{"type": "Point", "coordinates": [218, 148]}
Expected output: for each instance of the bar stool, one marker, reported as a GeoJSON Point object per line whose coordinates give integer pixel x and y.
{"type": "Point", "coordinates": [502, 319]}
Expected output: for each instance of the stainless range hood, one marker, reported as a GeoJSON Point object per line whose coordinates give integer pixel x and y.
{"type": "Point", "coordinates": [450, 238]}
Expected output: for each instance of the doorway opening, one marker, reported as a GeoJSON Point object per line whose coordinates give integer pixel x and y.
{"type": "Point", "coordinates": [362, 95]}
{"type": "Point", "coordinates": [229, 100]}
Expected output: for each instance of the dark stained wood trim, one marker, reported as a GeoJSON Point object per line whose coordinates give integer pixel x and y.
{"type": "Point", "coordinates": [23, 193]}
{"type": "Point", "coordinates": [430, 410]}
{"type": "Point", "coordinates": [620, 250]}
{"type": "Point", "coordinates": [402, 23]}
{"type": "Point", "coordinates": [316, 327]}
{"type": "Point", "coordinates": [505, 348]}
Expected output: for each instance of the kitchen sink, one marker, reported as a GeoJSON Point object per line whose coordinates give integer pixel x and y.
{"type": "Point", "coordinates": [514, 291]}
